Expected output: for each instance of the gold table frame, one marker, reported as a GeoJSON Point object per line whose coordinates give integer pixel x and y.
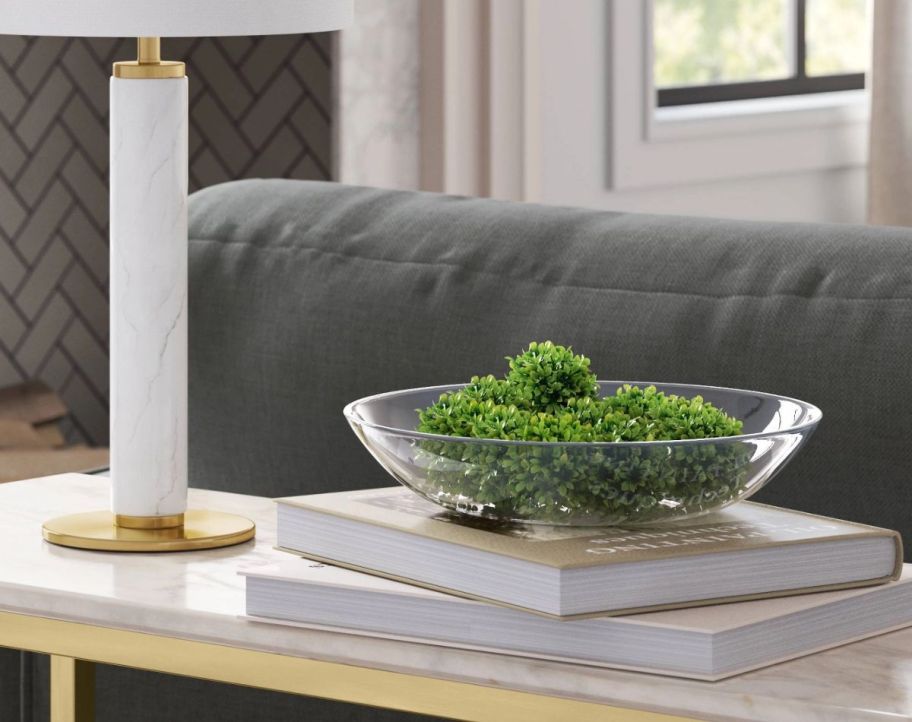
{"type": "Point", "coordinates": [74, 649]}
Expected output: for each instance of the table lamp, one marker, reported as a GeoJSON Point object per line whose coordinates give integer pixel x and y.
{"type": "Point", "coordinates": [148, 278]}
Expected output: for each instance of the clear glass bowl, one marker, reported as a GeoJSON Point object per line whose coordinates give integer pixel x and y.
{"type": "Point", "coordinates": [585, 483]}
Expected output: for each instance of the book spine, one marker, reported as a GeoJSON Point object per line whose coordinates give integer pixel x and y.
{"type": "Point", "coordinates": [897, 569]}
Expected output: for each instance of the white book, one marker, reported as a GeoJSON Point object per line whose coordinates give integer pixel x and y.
{"type": "Point", "coordinates": [746, 551]}
{"type": "Point", "coordinates": [709, 643]}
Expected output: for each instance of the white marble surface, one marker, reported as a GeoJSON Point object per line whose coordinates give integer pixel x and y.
{"type": "Point", "coordinates": [199, 596]}
{"type": "Point", "coordinates": [149, 296]}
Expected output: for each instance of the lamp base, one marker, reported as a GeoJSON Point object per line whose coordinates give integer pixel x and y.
{"type": "Point", "coordinates": [97, 531]}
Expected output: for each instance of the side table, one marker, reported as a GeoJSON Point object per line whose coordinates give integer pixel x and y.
{"type": "Point", "coordinates": [180, 614]}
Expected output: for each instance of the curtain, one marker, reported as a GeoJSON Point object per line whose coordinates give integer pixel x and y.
{"type": "Point", "coordinates": [890, 164]}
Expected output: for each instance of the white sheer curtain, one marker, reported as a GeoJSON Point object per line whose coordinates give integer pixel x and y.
{"type": "Point", "coordinates": [890, 166]}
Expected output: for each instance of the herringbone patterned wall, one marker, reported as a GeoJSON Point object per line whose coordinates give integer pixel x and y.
{"type": "Point", "coordinates": [259, 107]}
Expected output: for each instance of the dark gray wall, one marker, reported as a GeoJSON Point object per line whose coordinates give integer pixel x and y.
{"type": "Point", "coordinates": [259, 107]}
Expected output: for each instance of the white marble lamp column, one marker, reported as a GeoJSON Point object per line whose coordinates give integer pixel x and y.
{"type": "Point", "coordinates": [148, 297]}
{"type": "Point", "coordinates": [149, 257]}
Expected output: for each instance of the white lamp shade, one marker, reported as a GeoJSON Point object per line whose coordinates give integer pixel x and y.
{"type": "Point", "coordinates": [171, 18]}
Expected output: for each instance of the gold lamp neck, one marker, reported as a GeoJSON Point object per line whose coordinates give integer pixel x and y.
{"type": "Point", "coordinates": [148, 64]}
{"type": "Point", "coordinates": [148, 51]}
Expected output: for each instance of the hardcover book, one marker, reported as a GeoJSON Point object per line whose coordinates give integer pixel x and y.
{"type": "Point", "coordinates": [747, 551]}
{"type": "Point", "coordinates": [703, 643]}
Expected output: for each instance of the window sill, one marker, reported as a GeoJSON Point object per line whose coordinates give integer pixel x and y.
{"type": "Point", "coordinates": [763, 114]}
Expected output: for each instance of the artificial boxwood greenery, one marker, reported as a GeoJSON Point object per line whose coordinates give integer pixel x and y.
{"type": "Point", "coordinates": [550, 394]}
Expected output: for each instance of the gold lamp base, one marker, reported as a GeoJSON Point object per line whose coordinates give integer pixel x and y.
{"type": "Point", "coordinates": [98, 531]}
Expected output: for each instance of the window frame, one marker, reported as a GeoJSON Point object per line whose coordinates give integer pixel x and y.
{"type": "Point", "coordinates": [800, 83]}
{"type": "Point", "coordinates": [650, 147]}
{"type": "Point", "coordinates": [579, 125]}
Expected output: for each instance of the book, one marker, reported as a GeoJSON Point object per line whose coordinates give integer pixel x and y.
{"type": "Point", "coordinates": [709, 643]}
{"type": "Point", "coordinates": [746, 551]}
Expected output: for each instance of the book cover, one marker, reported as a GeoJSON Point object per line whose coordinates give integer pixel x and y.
{"type": "Point", "coordinates": [742, 526]}
{"type": "Point", "coordinates": [793, 626]}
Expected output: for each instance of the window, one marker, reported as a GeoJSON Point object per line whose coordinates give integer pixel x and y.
{"type": "Point", "coordinates": [709, 51]}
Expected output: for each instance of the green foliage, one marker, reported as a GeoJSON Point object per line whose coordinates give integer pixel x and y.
{"type": "Point", "coordinates": [704, 42]}
{"type": "Point", "coordinates": [549, 394]}
{"type": "Point", "coordinates": [700, 42]}
{"type": "Point", "coordinates": [545, 377]}
{"type": "Point", "coordinates": [838, 37]}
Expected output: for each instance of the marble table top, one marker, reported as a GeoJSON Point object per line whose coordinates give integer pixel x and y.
{"type": "Point", "coordinates": [199, 595]}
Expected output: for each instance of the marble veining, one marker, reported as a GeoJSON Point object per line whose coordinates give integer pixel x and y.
{"type": "Point", "coordinates": [199, 595]}
{"type": "Point", "coordinates": [149, 296]}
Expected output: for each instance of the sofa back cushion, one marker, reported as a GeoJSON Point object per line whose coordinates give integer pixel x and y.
{"type": "Point", "coordinates": [305, 296]}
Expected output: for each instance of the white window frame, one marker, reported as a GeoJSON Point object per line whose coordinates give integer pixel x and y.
{"type": "Point", "coordinates": [554, 100]}
{"type": "Point", "coordinates": [650, 146]}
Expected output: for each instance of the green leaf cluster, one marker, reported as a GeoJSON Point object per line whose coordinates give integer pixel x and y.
{"type": "Point", "coordinates": [550, 394]}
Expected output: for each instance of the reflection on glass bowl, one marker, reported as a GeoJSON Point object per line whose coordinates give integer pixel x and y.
{"type": "Point", "coordinates": [585, 483]}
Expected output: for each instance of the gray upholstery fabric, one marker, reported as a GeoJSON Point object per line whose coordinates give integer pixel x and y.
{"type": "Point", "coordinates": [307, 295]}
{"type": "Point", "coordinates": [10, 685]}
{"type": "Point", "coordinates": [126, 695]}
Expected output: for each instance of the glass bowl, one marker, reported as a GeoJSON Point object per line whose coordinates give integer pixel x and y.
{"type": "Point", "coordinates": [585, 483]}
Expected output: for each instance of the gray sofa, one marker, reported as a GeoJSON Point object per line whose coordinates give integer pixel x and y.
{"type": "Point", "coordinates": [307, 295]}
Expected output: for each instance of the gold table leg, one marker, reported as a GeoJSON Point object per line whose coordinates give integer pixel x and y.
{"type": "Point", "coordinates": [72, 690]}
